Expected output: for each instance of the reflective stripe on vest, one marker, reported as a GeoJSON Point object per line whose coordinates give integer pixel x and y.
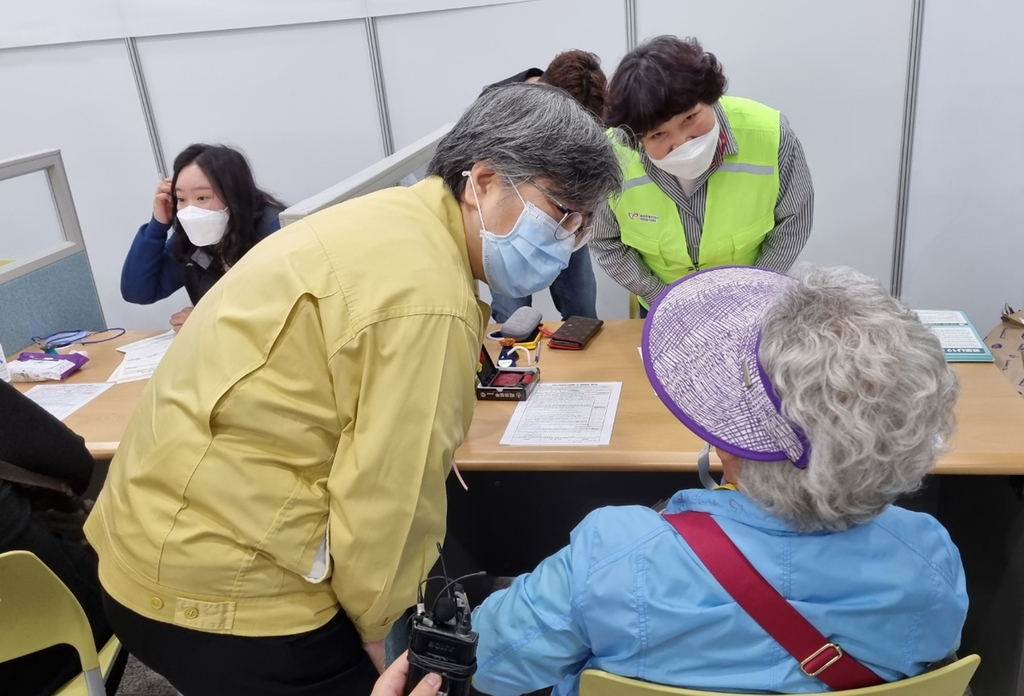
{"type": "Point", "coordinates": [739, 211]}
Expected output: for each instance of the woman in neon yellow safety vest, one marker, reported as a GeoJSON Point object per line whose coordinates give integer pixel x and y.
{"type": "Point", "coordinates": [708, 180]}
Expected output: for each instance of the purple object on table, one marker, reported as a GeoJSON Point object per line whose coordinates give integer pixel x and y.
{"type": "Point", "coordinates": [75, 358]}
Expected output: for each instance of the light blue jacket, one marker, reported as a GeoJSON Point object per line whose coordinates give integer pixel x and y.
{"type": "Point", "coordinates": [628, 596]}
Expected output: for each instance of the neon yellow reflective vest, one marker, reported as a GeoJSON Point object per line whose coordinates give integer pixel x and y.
{"type": "Point", "coordinates": [740, 208]}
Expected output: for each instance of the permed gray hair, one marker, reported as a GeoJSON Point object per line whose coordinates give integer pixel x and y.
{"type": "Point", "coordinates": [531, 131]}
{"type": "Point", "coordinates": [869, 385]}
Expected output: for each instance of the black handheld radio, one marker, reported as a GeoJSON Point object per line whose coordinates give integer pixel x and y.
{"type": "Point", "coordinates": [442, 640]}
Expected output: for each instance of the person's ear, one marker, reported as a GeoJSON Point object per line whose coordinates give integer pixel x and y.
{"type": "Point", "coordinates": [726, 457]}
{"type": "Point", "coordinates": [484, 180]}
{"type": "Point", "coordinates": [730, 464]}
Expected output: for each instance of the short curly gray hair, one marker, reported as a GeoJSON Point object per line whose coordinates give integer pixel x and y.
{"type": "Point", "coordinates": [869, 385]}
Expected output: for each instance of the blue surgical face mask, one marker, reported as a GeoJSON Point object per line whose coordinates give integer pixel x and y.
{"type": "Point", "coordinates": [527, 259]}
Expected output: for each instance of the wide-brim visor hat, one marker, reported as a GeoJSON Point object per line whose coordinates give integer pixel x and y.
{"type": "Point", "coordinates": [700, 348]}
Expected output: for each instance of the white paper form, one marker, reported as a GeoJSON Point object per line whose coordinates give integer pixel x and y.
{"type": "Point", "coordinates": [61, 400]}
{"type": "Point", "coordinates": [157, 344]}
{"type": "Point", "coordinates": [141, 358]}
{"type": "Point", "coordinates": [958, 339]}
{"type": "Point", "coordinates": [135, 367]}
{"type": "Point", "coordinates": [565, 413]}
{"type": "Point", "coordinates": [942, 316]}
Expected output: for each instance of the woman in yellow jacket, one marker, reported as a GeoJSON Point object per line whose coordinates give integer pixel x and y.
{"type": "Point", "coordinates": [279, 491]}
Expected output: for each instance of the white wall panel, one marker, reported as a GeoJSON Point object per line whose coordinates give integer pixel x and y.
{"type": "Point", "coordinates": [436, 64]}
{"type": "Point", "coordinates": [837, 70]}
{"type": "Point", "coordinates": [81, 99]}
{"type": "Point", "coordinates": [65, 21]}
{"type": "Point", "coordinates": [965, 228]}
{"type": "Point", "coordinates": [298, 100]}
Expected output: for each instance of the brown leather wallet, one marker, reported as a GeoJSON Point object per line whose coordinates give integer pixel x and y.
{"type": "Point", "coordinates": [575, 333]}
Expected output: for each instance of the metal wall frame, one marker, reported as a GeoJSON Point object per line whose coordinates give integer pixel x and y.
{"type": "Point", "coordinates": [631, 38]}
{"type": "Point", "coordinates": [899, 244]}
{"type": "Point", "coordinates": [147, 107]}
{"type": "Point", "coordinates": [377, 68]}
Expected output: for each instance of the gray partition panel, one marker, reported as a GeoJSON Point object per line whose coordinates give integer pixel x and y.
{"type": "Point", "coordinates": [57, 297]}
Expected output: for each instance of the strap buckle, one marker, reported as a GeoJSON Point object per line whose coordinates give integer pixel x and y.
{"type": "Point", "coordinates": [805, 664]}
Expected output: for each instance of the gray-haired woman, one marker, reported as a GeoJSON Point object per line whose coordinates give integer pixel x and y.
{"type": "Point", "coordinates": [279, 492]}
{"type": "Point", "coordinates": [826, 400]}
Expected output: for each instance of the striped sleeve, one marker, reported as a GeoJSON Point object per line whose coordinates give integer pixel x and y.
{"type": "Point", "coordinates": [623, 264]}
{"type": "Point", "coordinates": [794, 210]}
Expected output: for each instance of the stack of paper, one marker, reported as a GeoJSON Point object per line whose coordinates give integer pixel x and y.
{"type": "Point", "coordinates": [960, 340]}
{"type": "Point", "coordinates": [141, 358]}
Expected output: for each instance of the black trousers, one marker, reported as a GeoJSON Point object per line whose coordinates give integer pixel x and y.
{"type": "Point", "coordinates": [328, 661]}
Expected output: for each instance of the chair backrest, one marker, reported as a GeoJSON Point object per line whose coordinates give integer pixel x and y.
{"type": "Point", "coordinates": [38, 611]}
{"type": "Point", "coordinates": [950, 680]}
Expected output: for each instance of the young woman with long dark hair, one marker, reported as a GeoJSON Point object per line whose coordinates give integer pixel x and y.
{"type": "Point", "coordinates": [217, 213]}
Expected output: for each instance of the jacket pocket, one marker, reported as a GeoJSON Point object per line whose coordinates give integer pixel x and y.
{"type": "Point", "coordinates": [642, 243]}
{"type": "Point", "coordinates": [747, 242]}
{"type": "Point", "coordinates": [298, 539]}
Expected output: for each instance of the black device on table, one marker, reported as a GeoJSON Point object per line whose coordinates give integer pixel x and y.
{"type": "Point", "coordinates": [442, 640]}
{"type": "Point", "coordinates": [495, 383]}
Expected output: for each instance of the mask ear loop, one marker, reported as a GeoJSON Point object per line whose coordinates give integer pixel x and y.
{"type": "Point", "coordinates": [476, 197]}
{"type": "Point", "coordinates": [704, 468]}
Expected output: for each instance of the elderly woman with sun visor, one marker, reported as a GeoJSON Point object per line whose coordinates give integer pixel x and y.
{"type": "Point", "coordinates": [280, 490]}
{"type": "Point", "coordinates": [826, 399]}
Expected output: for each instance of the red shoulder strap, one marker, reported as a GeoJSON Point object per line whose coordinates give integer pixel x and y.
{"type": "Point", "coordinates": [817, 656]}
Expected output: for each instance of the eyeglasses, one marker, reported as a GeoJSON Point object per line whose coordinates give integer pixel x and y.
{"type": "Point", "coordinates": [571, 224]}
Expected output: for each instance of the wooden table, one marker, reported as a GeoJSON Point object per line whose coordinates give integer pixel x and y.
{"type": "Point", "coordinates": [103, 420]}
{"type": "Point", "coordinates": [646, 437]}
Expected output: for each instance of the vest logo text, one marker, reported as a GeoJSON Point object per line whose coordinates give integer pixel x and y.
{"type": "Point", "coordinates": [643, 217]}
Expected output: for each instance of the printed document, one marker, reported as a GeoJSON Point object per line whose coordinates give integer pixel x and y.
{"type": "Point", "coordinates": [61, 400]}
{"type": "Point", "coordinates": [141, 358]}
{"type": "Point", "coordinates": [565, 413]}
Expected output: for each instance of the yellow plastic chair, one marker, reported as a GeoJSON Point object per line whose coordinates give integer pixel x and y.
{"type": "Point", "coordinates": [634, 306]}
{"type": "Point", "coordinates": [38, 611]}
{"type": "Point", "coordinates": [950, 680]}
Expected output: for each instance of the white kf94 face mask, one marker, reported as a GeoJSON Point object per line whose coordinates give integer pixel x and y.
{"type": "Point", "coordinates": [203, 227]}
{"type": "Point", "coordinates": [692, 158]}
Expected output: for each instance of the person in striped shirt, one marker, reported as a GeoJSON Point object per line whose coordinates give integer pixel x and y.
{"type": "Point", "coordinates": [709, 180]}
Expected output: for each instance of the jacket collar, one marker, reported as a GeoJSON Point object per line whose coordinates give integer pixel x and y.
{"type": "Point", "coordinates": [436, 196]}
{"type": "Point", "coordinates": [729, 504]}
{"type": "Point", "coordinates": [731, 146]}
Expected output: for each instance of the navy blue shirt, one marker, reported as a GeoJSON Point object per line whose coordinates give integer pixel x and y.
{"type": "Point", "coordinates": [151, 272]}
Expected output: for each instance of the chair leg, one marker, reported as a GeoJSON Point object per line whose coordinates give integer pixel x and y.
{"type": "Point", "coordinates": [94, 682]}
{"type": "Point", "coordinates": [116, 671]}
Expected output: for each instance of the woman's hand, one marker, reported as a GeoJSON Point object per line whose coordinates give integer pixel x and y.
{"type": "Point", "coordinates": [392, 682]}
{"type": "Point", "coordinates": [178, 318]}
{"type": "Point", "coordinates": [163, 206]}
